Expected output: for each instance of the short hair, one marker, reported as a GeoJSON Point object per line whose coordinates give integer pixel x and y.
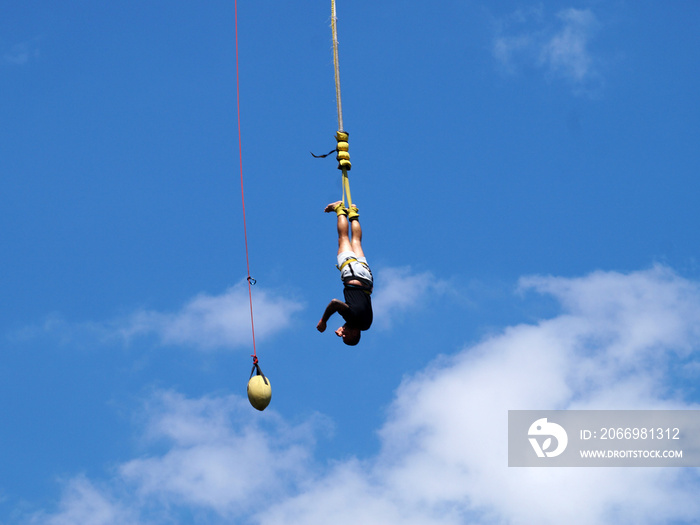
{"type": "Point", "coordinates": [351, 337]}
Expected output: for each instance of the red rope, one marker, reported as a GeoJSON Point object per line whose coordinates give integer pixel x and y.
{"type": "Point", "coordinates": [240, 158]}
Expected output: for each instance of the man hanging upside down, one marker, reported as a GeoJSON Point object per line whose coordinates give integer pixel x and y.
{"type": "Point", "coordinates": [356, 277]}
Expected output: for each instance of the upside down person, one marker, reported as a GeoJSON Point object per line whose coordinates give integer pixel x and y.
{"type": "Point", "coordinates": [356, 276]}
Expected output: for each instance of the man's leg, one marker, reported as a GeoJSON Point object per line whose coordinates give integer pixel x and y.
{"type": "Point", "coordinates": [356, 242]}
{"type": "Point", "coordinates": [344, 244]}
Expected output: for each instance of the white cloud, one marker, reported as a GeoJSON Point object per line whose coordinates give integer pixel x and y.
{"type": "Point", "coordinates": [618, 342]}
{"type": "Point", "coordinates": [566, 52]}
{"type": "Point", "coordinates": [215, 321]}
{"type": "Point", "coordinates": [205, 322]}
{"type": "Point", "coordinates": [20, 54]}
{"type": "Point", "coordinates": [506, 48]}
{"type": "Point", "coordinates": [400, 290]}
{"type": "Point", "coordinates": [561, 49]}
{"type": "Point", "coordinates": [219, 457]}
{"type": "Point", "coordinates": [443, 458]}
{"type": "Point", "coordinates": [84, 504]}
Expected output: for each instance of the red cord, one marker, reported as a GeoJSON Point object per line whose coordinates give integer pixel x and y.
{"type": "Point", "coordinates": [240, 157]}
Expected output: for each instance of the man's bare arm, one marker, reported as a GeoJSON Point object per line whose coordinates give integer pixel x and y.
{"type": "Point", "coordinates": [334, 306]}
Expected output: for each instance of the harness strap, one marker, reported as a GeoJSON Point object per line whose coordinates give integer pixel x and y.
{"type": "Point", "coordinates": [347, 261]}
{"type": "Point", "coordinates": [351, 260]}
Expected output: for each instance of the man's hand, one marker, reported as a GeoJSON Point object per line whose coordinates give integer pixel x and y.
{"type": "Point", "coordinates": [334, 306]}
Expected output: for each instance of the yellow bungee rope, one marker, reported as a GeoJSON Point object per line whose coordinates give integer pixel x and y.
{"type": "Point", "coordinates": [341, 136]}
{"type": "Point", "coordinates": [343, 156]}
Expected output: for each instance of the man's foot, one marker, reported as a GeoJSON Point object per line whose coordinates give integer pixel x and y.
{"type": "Point", "coordinates": [353, 212]}
{"type": "Point", "coordinates": [338, 207]}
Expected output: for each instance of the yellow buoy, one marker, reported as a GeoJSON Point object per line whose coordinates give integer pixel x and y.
{"type": "Point", "coordinates": [259, 392]}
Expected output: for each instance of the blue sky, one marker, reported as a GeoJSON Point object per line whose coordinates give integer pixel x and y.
{"type": "Point", "coordinates": [527, 179]}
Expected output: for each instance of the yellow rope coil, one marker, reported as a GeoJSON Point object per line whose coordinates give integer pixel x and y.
{"type": "Point", "coordinates": [343, 157]}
